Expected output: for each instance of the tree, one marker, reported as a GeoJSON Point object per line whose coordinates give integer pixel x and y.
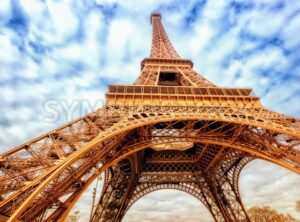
{"type": "Point", "coordinates": [73, 217]}
{"type": "Point", "coordinates": [265, 214]}
{"type": "Point", "coordinates": [297, 208]}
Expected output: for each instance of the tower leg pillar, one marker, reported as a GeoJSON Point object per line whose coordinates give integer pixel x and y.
{"type": "Point", "coordinates": [112, 203]}
{"type": "Point", "coordinates": [226, 191]}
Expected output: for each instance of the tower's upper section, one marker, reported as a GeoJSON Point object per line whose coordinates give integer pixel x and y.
{"type": "Point", "coordinates": [168, 80]}
{"type": "Point", "coordinates": [161, 46]}
{"type": "Point", "coordinates": [164, 66]}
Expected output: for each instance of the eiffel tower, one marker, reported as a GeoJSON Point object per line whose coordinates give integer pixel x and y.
{"type": "Point", "coordinates": [171, 129]}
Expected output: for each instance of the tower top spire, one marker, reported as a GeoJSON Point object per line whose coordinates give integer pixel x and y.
{"type": "Point", "coordinates": [155, 15]}
{"type": "Point", "coordinates": [162, 47]}
{"type": "Point", "coordinates": [164, 66]}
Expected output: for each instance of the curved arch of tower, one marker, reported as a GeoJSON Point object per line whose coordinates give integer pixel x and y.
{"type": "Point", "coordinates": [171, 129]}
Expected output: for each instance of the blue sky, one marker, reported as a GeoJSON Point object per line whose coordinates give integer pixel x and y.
{"type": "Point", "coordinates": [71, 50]}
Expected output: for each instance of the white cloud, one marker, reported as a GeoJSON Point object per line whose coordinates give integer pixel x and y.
{"type": "Point", "coordinates": [201, 37]}
{"type": "Point", "coordinates": [164, 205]}
{"type": "Point", "coordinates": [9, 52]}
{"type": "Point", "coordinates": [33, 8]}
{"type": "Point", "coordinates": [289, 33]}
{"type": "Point", "coordinates": [5, 11]}
{"type": "Point", "coordinates": [259, 25]}
{"type": "Point", "coordinates": [119, 35]}
{"type": "Point", "coordinates": [214, 9]}
{"type": "Point", "coordinates": [135, 6]}
{"type": "Point", "coordinates": [266, 184]}
{"type": "Point", "coordinates": [64, 23]}
{"type": "Point", "coordinates": [72, 52]}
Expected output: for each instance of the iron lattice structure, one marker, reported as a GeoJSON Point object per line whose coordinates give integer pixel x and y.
{"type": "Point", "coordinates": [171, 129]}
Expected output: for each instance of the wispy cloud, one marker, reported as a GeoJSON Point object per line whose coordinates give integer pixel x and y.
{"type": "Point", "coordinates": [68, 50]}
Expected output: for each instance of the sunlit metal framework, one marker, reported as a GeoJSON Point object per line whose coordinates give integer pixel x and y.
{"type": "Point", "coordinates": [171, 129]}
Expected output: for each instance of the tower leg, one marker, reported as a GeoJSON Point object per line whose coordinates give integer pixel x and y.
{"type": "Point", "coordinates": [225, 186]}
{"type": "Point", "coordinates": [112, 204]}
